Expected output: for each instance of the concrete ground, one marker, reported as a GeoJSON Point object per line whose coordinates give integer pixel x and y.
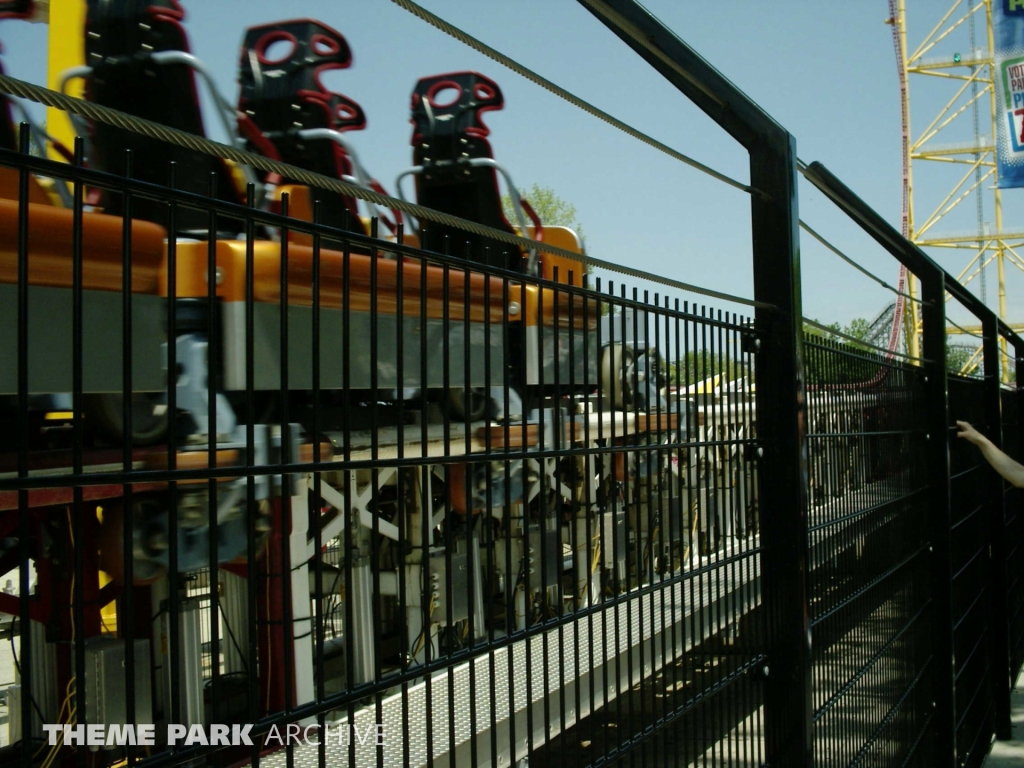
{"type": "Point", "coordinates": [1010, 754]}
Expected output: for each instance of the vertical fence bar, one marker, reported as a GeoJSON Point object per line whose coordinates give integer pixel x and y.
{"type": "Point", "coordinates": [250, 461]}
{"type": "Point", "coordinates": [1018, 577]}
{"type": "Point", "coordinates": [288, 507]}
{"type": "Point", "coordinates": [213, 357]}
{"type": "Point", "coordinates": [24, 523]}
{"type": "Point", "coordinates": [172, 713]}
{"type": "Point", "coordinates": [78, 525]}
{"type": "Point", "coordinates": [781, 419]}
{"type": "Point", "coordinates": [1001, 682]}
{"type": "Point", "coordinates": [126, 607]}
{"type": "Point", "coordinates": [314, 499]}
{"type": "Point", "coordinates": [933, 321]}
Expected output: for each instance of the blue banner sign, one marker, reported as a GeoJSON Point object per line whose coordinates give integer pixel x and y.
{"type": "Point", "coordinates": [1008, 33]}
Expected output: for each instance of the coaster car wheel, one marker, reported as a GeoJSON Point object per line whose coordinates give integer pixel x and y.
{"type": "Point", "coordinates": [468, 404]}
{"type": "Point", "coordinates": [105, 412]}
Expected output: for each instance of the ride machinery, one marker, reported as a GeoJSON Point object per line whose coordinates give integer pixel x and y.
{"type": "Point", "coordinates": [252, 345]}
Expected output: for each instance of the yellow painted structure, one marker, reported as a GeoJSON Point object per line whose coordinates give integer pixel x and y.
{"type": "Point", "coordinates": [108, 613]}
{"type": "Point", "coordinates": [66, 49]}
{"type": "Point", "coordinates": [972, 165]}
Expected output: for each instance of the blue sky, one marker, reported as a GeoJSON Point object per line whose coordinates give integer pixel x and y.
{"type": "Point", "coordinates": [825, 71]}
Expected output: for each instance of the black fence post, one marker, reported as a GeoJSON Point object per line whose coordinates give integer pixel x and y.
{"type": "Point", "coordinates": [781, 423]}
{"type": "Point", "coordinates": [1015, 577]}
{"type": "Point", "coordinates": [781, 397]}
{"type": "Point", "coordinates": [1001, 683]}
{"type": "Point", "coordinates": [933, 348]}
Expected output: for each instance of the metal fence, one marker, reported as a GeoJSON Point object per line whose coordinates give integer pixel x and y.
{"type": "Point", "coordinates": [971, 566]}
{"type": "Point", "coordinates": [403, 501]}
{"type": "Point", "coordinates": [479, 578]}
{"type": "Point", "coordinates": [868, 582]}
{"type": "Point", "coordinates": [962, 668]}
{"type": "Point", "coordinates": [1014, 559]}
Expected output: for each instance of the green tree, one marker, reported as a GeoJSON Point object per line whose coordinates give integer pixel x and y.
{"type": "Point", "coordinates": [859, 328]}
{"type": "Point", "coordinates": [817, 333]}
{"type": "Point", "coordinates": [828, 356]}
{"type": "Point", "coordinates": [831, 358]}
{"type": "Point", "coordinates": [957, 356]}
{"type": "Point", "coordinates": [549, 207]}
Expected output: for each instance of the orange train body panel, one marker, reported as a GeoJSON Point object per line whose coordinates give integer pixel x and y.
{"type": "Point", "coordinates": [565, 238]}
{"type": "Point", "coordinates": [300, 206]}
{"type": "Point", "coordinates": [50, 242]}
{"type": "Point", "coordinates": [570, 271]}
{"type": "Point", "coordinates": [10, 180]}
{"type": "Point", "coordinates": [540, 307]}
{"type": "Point", "coordinates": [231, 258]}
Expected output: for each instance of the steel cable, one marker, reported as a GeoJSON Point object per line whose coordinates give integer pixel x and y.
{"type": "Point", "coordinates": [87, 109]}
{"type": "Point", "coordinates": [854, 264]}
{"type": "Point", "coordinates": [964, 330]}
{"type": "Point", "coordinates": [533, 77]}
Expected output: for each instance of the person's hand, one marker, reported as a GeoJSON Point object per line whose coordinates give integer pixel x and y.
{"type": "Point", "coordinates": [969, 433]}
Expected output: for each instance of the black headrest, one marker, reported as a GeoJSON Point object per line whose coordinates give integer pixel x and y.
{"type": "Point", "coordinates": [123, 27]}
{"type": "Point", "coordinates": [120, 37]}
{"type": "Point", "coordinates": [452, 105]}
{"type": "Point", "coordinates": [447, 128]}
{"type": "Point", "coordinates": [281, 94]}
{"type": "Point", "coordinates": [270, 86]}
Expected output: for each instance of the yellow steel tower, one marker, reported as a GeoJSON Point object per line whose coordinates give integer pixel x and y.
{"type": "Point", "coordinates": [66, 50]}
{"type": "Point", "coordinates": [953, 76]}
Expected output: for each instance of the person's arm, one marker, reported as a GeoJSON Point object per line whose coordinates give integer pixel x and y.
{"type": "Point", "coordinates": [1001, 463]}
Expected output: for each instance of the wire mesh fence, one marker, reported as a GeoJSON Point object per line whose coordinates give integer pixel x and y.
{"type": "Point", "coordinates": [869, 583]}
{"type": "Point", "coordinates": [485, 516]}
{"type": "Point", "coordinates": [970, 574]}
{"type": "Point", "coordinates": [1014, 536]}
